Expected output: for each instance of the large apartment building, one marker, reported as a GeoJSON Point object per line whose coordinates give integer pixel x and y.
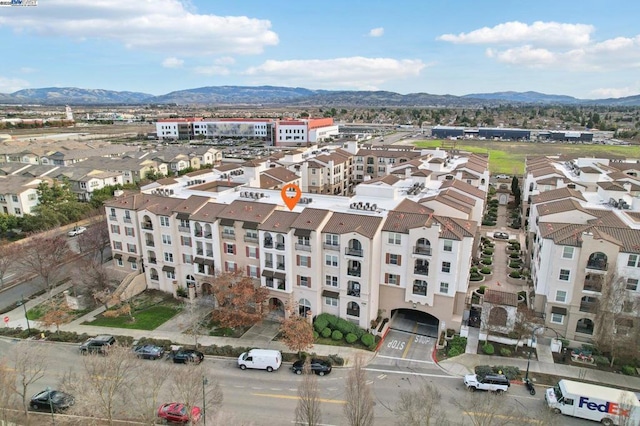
{"type": "Point", "coordinates": [380, 249]}
{"type": "Point", "coordinates": [583, 240]}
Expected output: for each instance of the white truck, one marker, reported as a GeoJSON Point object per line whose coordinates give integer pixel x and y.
{"type": "Point", "coordinates": [608, 406]}
{"type": "Point", "coordinates": [264, 359]}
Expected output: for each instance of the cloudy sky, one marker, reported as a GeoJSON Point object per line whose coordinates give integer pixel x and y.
{"type": "Point", "coordinates": [586, 49]}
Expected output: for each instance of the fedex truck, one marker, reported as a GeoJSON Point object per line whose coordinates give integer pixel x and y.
{"type": "Point", "coordinates": [609, 406]}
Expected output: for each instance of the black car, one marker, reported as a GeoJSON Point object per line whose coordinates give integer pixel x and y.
{"type": "Point", "coordinates": [98, 344]}
{"type": "Point", "coordinates": [184, 356]}
{"type": "Point", "coordinates": [318, 366]}
{"type": "Point", "coordinates": [149, 351]}
{"type": "Point", "coordinates": [51, 400]}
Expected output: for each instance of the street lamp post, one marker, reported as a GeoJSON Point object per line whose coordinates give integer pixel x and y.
{"type": "Point", "coordinates": [53, 417]}
{"type": "Point", "coordinates": [24, 306]}
{"type": "Point", "coordinates": [204, 401]}
{"type": "Point", "coordinates": [533, 336]}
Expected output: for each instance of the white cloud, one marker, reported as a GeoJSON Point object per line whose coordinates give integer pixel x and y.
{"type": "Point", "coordinates": [525, 55]}
{"type": "Point", "coordinates": [615, 92]}
{"type": "Point", "coordinates": [349, 73]}
{"type": "Point", "coordinates": [538, 33]}
{"type": "Point", "coordinates": [10, 85]}
{"type": "Point", "coordinates": [169, 26]}
{"type": "Point", "coordinates": [211, 70]}
{"type": "Point", "coordinates": [376, 32]}
{"type": "Point", "coordinates": [172, 62]}
{"type": "Point", "coordinates": [225, 60]}
{"type": "Point", "coordinates": [27, 70]}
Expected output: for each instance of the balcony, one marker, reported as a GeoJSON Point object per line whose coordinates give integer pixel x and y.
{"type": "Point", "coordinates": [303, 247]}
{"type": "Point", "coordinates": [113, 217]}
{"type": "Point", "coordinates": [590, 307]}
{"type": "Point", "coordinates": [350, 251]}
{"type": "Point", "coordinates": [209, 253]}
{"type": "Point", "coordinates": [420, 270]}
{"type": "Point", "coordinates": [268, 265]}
{"type": "Point", "coordinates": [354, 272]}
{"type": "Point", "coordinates": [248, 239]}
{"type": "Point", "coordinates": [152, 260]}
{"type": "Point", "coordinates": [268, 243]}
{"type": "Point", "coordinates": [209, 235]}
{"type": "Point", "coordinates": [354, 292]}
{"type": "Point", "coordinates": [280, 266]}
{"type": "Point", "coordinates": [127, 220]}
{"type": "Point", "coordinates": [597, 265]}
{"type": "Point", "coordinates": [154, 277]}
{"type": "Point", "coordinates": [280, 285]}
{"type": "Point", "coordinates": [279, 246]}
{"type": "Point", "coordinates": [422, 250]}
{"type": "Point", "coordinates": [150, 243]}
{"type": "Point", "coordinates": [228, 236]}
{"type": "Point", "coordinates": [147, 225]}
{"type": "Point", "coordinates": [353, 312]}
{"type": "Point", "coordinates": [331, 246]}
{"type": "Point", "coordinates": [184, 229]}
{"type": "Point", "coordinates": [593, 284]}
{"type": "Point", "coordinates": [198, 234]}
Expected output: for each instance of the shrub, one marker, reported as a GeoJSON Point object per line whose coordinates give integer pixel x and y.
{"type": "Point", "coordinates": [315, 335]}
{"type": "Point", "coordinates": [473, 270]}
{"type": "Point", "coordinates": [368, 340]}
{"type": "Point", "coordinates": [360, 332]}
{"type": "Point", "coordinates": [485, 270]}
{"type": "Point", "coordinates": [336, 335]}
{"type": "Point", "coordinates": [334, 359]}
{"type": "Point", "coordinates": [486, 261]}
{"type": "Point", "coordinates": [515, 264]}
{"type": "Point", "coordinates": [505, 352]}
{"type": "Point", "coordinates": [482, 288]}
{"type": "Point", "coordinates": [601, 360]}
{"type": "Point", "coordinates": [333, 320]}
{"type": "Point", "coordinates": [453, 352]}
{"type": "Point", "coordinates": [488, 223]}
{"type": "Point", "coordinates": [320, 323]}
{"type": "Point", "coordinates": [326, 332]}
{"type": "Point", "coordinates": [488, 349]}
{"type": "Point", "coordinates": [475, 277]}
{"type": "Point", "coordinates": [487, 251]}
{"type": "Point", "coordinates": [345, 326]}
{"type": "Point", "coordinates": [483, 370]}
{"type": "Point", "coordinates": [628, 370]}
{"type": "Point", "coordinates": [351, 338]}
{"type": "Point", "coordinates": [514, 274]}
{"type": "Point", "coordinates": [509, 371]}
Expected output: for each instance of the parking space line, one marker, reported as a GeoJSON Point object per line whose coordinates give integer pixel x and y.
{"type": "Point", "coordinates": [405, 359]}
{"type": "Point", "coordinates": [411, 373]}
{"type": "Point", "coordinates": [406, 350]}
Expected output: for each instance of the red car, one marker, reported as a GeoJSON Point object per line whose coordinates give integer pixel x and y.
{"type": "Point", "coordinates": [176, 412]}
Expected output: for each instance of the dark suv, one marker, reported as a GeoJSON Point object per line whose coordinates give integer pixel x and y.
{"type": "Point", "coordinates": [99, 344]}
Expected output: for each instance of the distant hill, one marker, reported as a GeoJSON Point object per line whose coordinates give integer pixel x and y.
{"type": "Point", "coordinates": [294, 96]}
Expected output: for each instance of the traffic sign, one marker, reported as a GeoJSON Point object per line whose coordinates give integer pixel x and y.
{"type": "Point", "coordinates": [6, 320]}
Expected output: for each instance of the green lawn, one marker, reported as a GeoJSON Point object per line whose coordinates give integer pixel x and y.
{"type": "Point", "coordinates": [508, 157]}
{"type": "Point", "coordinates": [147, 319]}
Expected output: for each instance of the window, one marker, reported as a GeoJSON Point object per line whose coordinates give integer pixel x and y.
{"type": "Point", "coordinates": [119, 262]}
{"type": "Point", "coordinates": [331, 280]}
{"type": "Point", "coordinates": [168, 257]}
{"type": "Point", "coordinates": [392, 279]}
{"type": "Point", "coordinates": [304, 241]}
{"type": "Point", "coordinates": [331, 240]}
{"type": "Point", "coordinates": [252, 252]}
{"type": "Point", "coordinates": [128, 231]}
{"type": "Point", "coordinates": [170, 275]}
{"type": "Point", "coordinates": [184, 223]}
{"type": "Point", "coordinates": [17, 211]}
{"type": "Point", "coordinates": [557, 318]}
{"type": "Point", "coordinates": [448, 245]}
{"type": "Point", "coordinates": [115, 229]}
{"type": "Point", "coordinates": [187, 258]}
{"type": "Point", "coordinates": [331, 301]}
{"type": "Point", "coordinates": [567, 252]}
{"type": "Point", "coordinates": [131, 248]}
{"type": "Point", "coordinates": [561, 296]}
{"type": "Point", "coordinates": [32, 197]}
{"type": "Point", "coordinates": [229, 266]}
{"type": "Point", "coordinates": [394, 259]}
{"type": "Point", "coordinates": [633, 260]}
{"type": "Point", "coordinates": [304, 261]}
{"type": "Point", "coordinates": [166, 239]}
{"type": "Point", "coordinates": [420, 288]}
{"type": "Point", "coordinates": [251, 234]}
{"type": "Point", "coordinates": [395, 238]}
{"type": "Point", "coordinates": [304, 281]}
{"type": "Point", "coordinates": [444, 288]}
{"type": "Point", "coordinates": [228, 230]}
{"type": "Point", "coordinates": [185, 241]}
{"type": "Point", "coordinates": [253, 271]}
{"type": "Point", "coordinates": [117, 245]}
{"type": "Point", "coordinates": [632, 284]}
{"type": "Point", "coordinates": [164, 221]}
{"type": "Point", "coordinates": [134, 265]}
{"type": "Point", "coordinates": [229, 248]}
{"type": "Point", "coordinates": [446, 267]}
{"type": "Point", "coordinates": [330, 260]}
{"type": "Point", "coordinates": [564, 275]}
{"type": "Point", "coordinates": [14, 198]}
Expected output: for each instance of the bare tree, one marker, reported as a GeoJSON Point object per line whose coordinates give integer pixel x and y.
{"type": "Point", "coordinates": [102, 382]}
{"type": "Point", "coordinates": [44, 256]}
{"type": "Point", "coordinates": [95, 239]}
{"type": "Point", "coordinates": [8, 379]}
{"type": "Point", "coordinates": [240, 300]}
{"type": "Point", "coordinates": [194, 388]}
{"type": "Point", "coordinates": [144, 391]}
{"type": "Point", "coordinates": [308, 408]}
{"type": "Point", "coordinates": [8, 258]}
{"type": "Point", "coordinates": [57, 313]}
{"type": "Point", "coordinates": [359, 407]}
{"type": "Point", "coordinates": [29, 365]}
{"type": "Point", "coordinates": [486, 409]}
{"type": "Point", "coordinates": [92, 279]}
{"type": "Point", "coordinates": [197, 319]}
{"type": "Point", "coordinates": [421, 407]}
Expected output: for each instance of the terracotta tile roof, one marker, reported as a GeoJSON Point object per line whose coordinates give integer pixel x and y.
{"type": "Point", "coordinates": [402, 222]}
{"type": "Point", "coordinates": [198, 172]}
{"type": "Point", "coordinates": [166, 181]}
{"type": "Point", "coordinates": [281, 174]}
{"type": "Point", "coordinates": [247, 211]}
{"type": "Point", "coordinates": [409, 206]}
{"type": "Point", "coordinates": [388, 179]}
{"type": "Point", "coordinates": [635, 216]}
{"type": "Point", "coordinates": [215, 186]}
{"type": "Point", "coordinates": [267, 182]}
{"type": "Point", "coordinates": [605, 218]}
{"type": "Point", "coordinates": [544, 171]}
{"type": "Point", "coordinates": [456, 229]}
{"type": "Point", "coordinates": [279, 221]}
{"type": "Point", "coordinates": [557, 194]}
{"type": "Point", "coordinates": [559, 206]}
{"type": "Point", "coordinates": [436, 160]}
{"type": "Point", "coordinates": [590, 169]}
{"type": "Point", "coordinates": [422, 173]}
{"type": "Point", "coordinates": [310, 219]}
{"type": "Point", "coordinates": [447, 201]}
{"type": "Point", "coordinates": [612, 186]}
{"type": "Point", "coordinates": [227, 167]}
{"type": "Point", "coordinates": [464, 187]}
{"type": "Point", "coordinates": [342, 223]}
{"type": "Point", "coordinates": [500, 297]}
{"type": "Point", "coordinates": [191, 204]}
{"type": "Point", "coordinates": [315, 164]}
{"type": "Point", "coordinates": [256, 162]}
{"type": "Point", "coordinates": [208, 213]}
{"type": "Point", "coordinates": [458, 197]}
{"type": "Point", "coordinates": [139, 202]}
{"type": "Point", "coordinates": [479, 168]}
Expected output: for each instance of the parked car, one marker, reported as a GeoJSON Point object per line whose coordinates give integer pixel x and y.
{"type": "Point", "coordinates": [76, 231]}
{"type": "Point", "coordinates": [99, 344]}
{"type": "Point", "coordinates": [501, 235]}
{"type": "Point", "coordinates": [50, 399]}
{"type": "Point", "coordinates": [318, 366]}
{"type": "Point", "coordinates": [177, 412]}
{"type": "Point", "coordinates": [149, 351]}
{"type": "Point", "coordinates": [491, 382]}
{"type": "Point", "coordinates": [184, 356]}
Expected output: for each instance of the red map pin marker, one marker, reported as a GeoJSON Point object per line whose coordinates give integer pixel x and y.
{"type": "Point", "coordinates": [291, 195]}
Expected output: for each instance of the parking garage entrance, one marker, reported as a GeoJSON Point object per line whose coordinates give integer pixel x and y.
{"type": "Point", "coordinates": [416, 322]}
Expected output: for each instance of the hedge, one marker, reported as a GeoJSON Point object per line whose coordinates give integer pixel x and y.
{"type": "Point", "coordinates": [320, 324]}
{"type": "Point", "coordinates": [488, 349]}
{"type": "Point", "coordinates": [336, 335]}
{"type": "Point", "coordinates": [510, 372]}
{"type": "Point", "coordinates": [326, 332]}
{"type": "Point", "coordinates": [351, 338]}
{"type": "Point", "coordinates": [368, 340]}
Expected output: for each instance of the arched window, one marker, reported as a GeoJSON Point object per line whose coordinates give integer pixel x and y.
{"type": "Point", "coordinates": [197, 229]}
{"type": "Point", "coordinates": [420, 287]}
{"type": "Point", "coordinates": [354, 248]}
{"type": "Point", "coordinates": [304, 306]}
{"type": "Point", "coordinates": [498, 316]}
{"type": "Point", "coordinates": [353, 309]}
{"type": "Point", "coordinates": [153, 274]}
{"type": "Point", "coordinates": [191, 281]}
{"type": "Point", "coordinates": [597, 260]}
{"type": "Point", "coordinates": [423, 246]}
{"type": "Point", "coordinates": [207, 231]}
{"type": "Point", "coordinates": [268, 240]}
{"type": "Point", "coordinates": [280, 242]}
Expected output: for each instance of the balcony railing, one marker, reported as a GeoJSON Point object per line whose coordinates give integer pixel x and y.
{"type": "Point", "coordinates": [350, 251]}
{"type": "Point", "coordinates": [423, 250]}
{"type": "Point", "coordinates": [198, 234]}
{"type": "Point", "coordinates": [303, 247]}
{"type": "Point", "coordinates": [279, 246]}
{"type": "Point", "coordinates": [598, 265]}
{"type": "Point", "coordinates": [353, 292]}
{"type": "Point", "coordinates": [354, 272]}
{"type": "Point", "coordinates": [280, 266]}
{"type": "Point", "coordinates": [353, 312]}
{"type": "Point", "coordinates": [147, 225]}
{"type": "Point", "coordinates": [184, 229]}
{"type": "Point", "coordinates": [154, 277]}
{"type": "Point", "coordinates": [113, 217]}
{"type": "Point", "coordinates": [268, 265]}
{"type": "Point", "coordinates": [153, 260]}
{"type": "Point", "coordinates": [331, 246]}
{"type": "Point", "coordinates": [592, 285]}
{"type": "Point", "coordinates": [588, 307]}
{"type": "Point", "coordinates": [248, 239]}
{"type": "Point", "coordinates": [209, 235]}
{"type": "Point", "coordinates": [127, 220]}
{"type": "Point", "coordinates": [150, 243]}
{"type": "Point", "coordinates": [421, 271]}
{"type": "Point", "coordinates": [228, 236]}
{"type": "Point", "coordinates": [268, 244]}
{"type": "Point", "coordinates": [200, 252]}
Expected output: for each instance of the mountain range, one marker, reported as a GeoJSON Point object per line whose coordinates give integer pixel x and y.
{"type": "Point", "coordinates": [294, 96]}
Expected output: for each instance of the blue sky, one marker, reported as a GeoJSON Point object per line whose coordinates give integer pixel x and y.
{"type": "Point", "coordinates": [586, 49]}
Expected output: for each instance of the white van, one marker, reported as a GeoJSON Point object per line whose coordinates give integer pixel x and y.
{"type": "Point", "coordinates": [263, 359]}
